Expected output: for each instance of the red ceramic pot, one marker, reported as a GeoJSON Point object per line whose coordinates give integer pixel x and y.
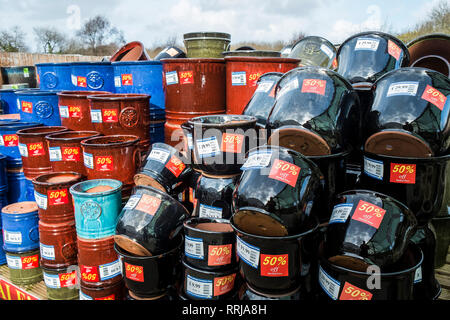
{"type": "Point", "coordinates": [132, 51]}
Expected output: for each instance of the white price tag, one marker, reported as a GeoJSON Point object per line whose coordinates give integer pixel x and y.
{"type": "Point", "coordinates": [193, 248]}
{"type": "Point", "coordinates": [248, 253]}
{"type": "Point", "coordinates": [199, 287]}
{"type": "Point", "coordinates": [257, 160]}
{"type": "Point", "coordinates": [406, 88]}
{"type": "Point", "coordinates": [26, 73]}
{"type": "Point", "coordinates": [110, 270]}
{"type": "Point", "coordinates": [132, 202]}
{"type": "Point", "coordinates": [264, 86]}
{"type": "Point", "coordinates": [209, 211]}
{"type": "Point", "coordinates": [238, 78]}
{"type": "Point", "coordinates": [328, 284]}
{"type": "Point", "coordinates": [159, 155]}
{"type": "Point", "coordinates": [367, 44]}
{"type": "Point", "coordinates": [41, 200]}
{"type": "Point", "coordinates": [341, 213]}
{"type": "Point", "coordinates": [88, 160]}
{"type": "Point", "coordinates": [23, 150]}
{"type": "Point", "coordinates": [208, 147]}
{"type": "Point", "coordinates": [47, 252]}
{"type": "Point", "coordinates": [373, 168]}
{"type": "Point", "coordinates": [418, 275]}
{"type": "Point", "coordinates": [171, 77]}
{"type": "Point", "coordinates": [13, 262]}
{"type": "Point", "coordinates": [2, 142]}
{"type": "Point", "coordinates": [96, 116]}
{"type": "Point", "coordinates": [74, 80]}
{"type": "Point", "coordinates": [13, 237]}
{"type": "Point", "coordinates": [64, 111]}
{"type": "Point", "coordinates": [52, 280]}
{"type": "Point", "coordinates": [55, 154]}
{"type": "Point", "coordinates": [117, 81]}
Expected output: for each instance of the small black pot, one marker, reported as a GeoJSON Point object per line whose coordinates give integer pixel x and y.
{"type": "Point", "coordinates": [170, 52]}
{"type": "Point", "coordinates": [208, 248]}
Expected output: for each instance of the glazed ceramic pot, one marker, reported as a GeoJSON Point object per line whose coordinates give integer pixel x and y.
{"type": "Point", "coordinates": [314, 51]}
{"type": "Point", "coordinates": [252, 53]}
{"type": "Point", "coordinates": [206, 44]}
{"type": "Point", "coordinates": [24, 267]}
{"type": "Point", "coordinates": [170, 52]}
{"type": "Point", "coordinates": [61, 283]}
{"type": "Point", "coordinates": [132, 51]}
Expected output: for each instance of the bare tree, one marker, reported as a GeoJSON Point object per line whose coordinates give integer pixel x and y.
{"type": "Point", "coordinates": [440, 15]}
{"type": "Point", "coordinates": [13, 40]}
{"type": "Point", "coordinates": [49, 39]}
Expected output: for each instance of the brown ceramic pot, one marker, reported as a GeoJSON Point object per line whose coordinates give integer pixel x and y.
{"type": "Point", "coordinates": [114, 291]}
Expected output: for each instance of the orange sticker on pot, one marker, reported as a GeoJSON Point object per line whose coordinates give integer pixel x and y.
{"type": "Point", "coordinates": [74, 111]}
{"type": "Point", "coordinates": [314, 86]}
{"type": "Point", "coordinates": [394, 50]}
{"type": "Point", "coordinates": [30, 262]}
{"type": "Point", "coordinates": [232, 142]}
{"type": "Point", "coordinates": [219, 255]}
{"type": "Point", "coordinates": [27, 107]}
{"type": "Point", "coordinates": [351, 292]}
{"type": "Point", "coordinates": [104, 163]}
{"type": "Point", "coordinates": [186, 77]}
{"type": "Point", "coordinates": [110, 297]}
{"type": "Point", "coordinates": [81, 82]}
{"type": "Point", "coordinates": [148, 204]}
{"type": "Point", "coordinates": [70, 153]}
{"type": "Point", "coordinates": [223, 285]}
{"type": "Point", "coordinates": [57, 197]}
{"type": "Point", "coordinates": [36, 149]}
{"type": "Point", "coordinates": [434, 96]}
{"type": "Point", "coordinates": [285, 172]}
{"type": "Point", "coordinates": [110, 115]}
{"type": "Point", "coordinates": [403, 173]}
{"type": "Point", "coordinates": [253, 78]}
{"type": "Point", "coordinates": [135, 273]}
{"type": "Point", "coordinates": [89, 274]}
{"type": "Point", "coordinates": [369, 213]}
{"type": "Point", "coordinates": [176, 166]}
{"type": "Point", "coordinates": [10, 140]}
{"type": "Point", "coordinates": [274, 265]}
{"type": "Point", "coordinates": [272, 92]}
{"type": "Point", "coordinates": [127, 79]}
{"type": "Point", "coordinates": [334, 63]}
{"type": "Point", "coordinates": [68, 279]}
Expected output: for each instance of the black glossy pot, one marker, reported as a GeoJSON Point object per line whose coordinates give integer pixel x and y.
{"type": "Point", "coordinates": [276, 191]}
{"type": "Point", "coordinates": [149, 221]}
{"type": "Point", "coordinates": [366, 56]}
{"type": "Point", "coordinates": [170, 52]}
{"type": "Point", "coordinates": [151, 276]}
{"type": "Point", "coordinates": [419, 183]}
{"type": "Point", "coordinates": [263, 98]}
{"type": "Point", "coordinates": [409, 115]}
{"type": "Point", "coordinates": [367, 228]}
{"type": "Point", "coordinates": [315, 110]}
{"type": "Point", "coordinates": [221, 141]}
{"type": "Point", "coordinates": [395, 283]}
{"type": "Point", "coordinates": [163, 168]}
{"type": "Point", "coordinates": [213, 196]}
{"type": "Point", "coordinates": [247, 293]}
{"type": "Point", "coordinates": [314, 51]}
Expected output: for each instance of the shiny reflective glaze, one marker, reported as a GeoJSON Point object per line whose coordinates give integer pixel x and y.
{"type": "Point", "coordinates": [314, 51]}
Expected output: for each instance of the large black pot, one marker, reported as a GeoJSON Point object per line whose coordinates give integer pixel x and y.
{"type": "Point", "coordinates": [409, 115]}
{"type": "Point", "coordinates": [170, 52]}
{"type": "Point", "coordinates": [315, 110]}
{"type": "Point", "coordinates": [314, 51]}
{"type": "Point", "coordinates": [366, 56]}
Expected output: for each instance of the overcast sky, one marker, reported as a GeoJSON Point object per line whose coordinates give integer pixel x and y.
{"type": "Point", "coordinates": [152, 22]}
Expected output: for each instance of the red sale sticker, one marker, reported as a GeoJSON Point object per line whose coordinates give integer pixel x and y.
{"type": "Point", "coordinates": [11, 140]}
{"type": "Point", "coordinates": [434, 96]}
{"type": "Point", "coordinates": [81, 82]}
{"type": "Point", "coordinates": [223, 285]}
{"type": "Point", "coordinates": [70, 153]}
{"type": "Point", "coordinates": [334, 64]}
{"type": "Point", "coordinates": [57, 197]}
{"type": "Point", "coordinates": [110, 297]}
{"type": "Point", "coordinates": [110, 115]}
{"type": "Point", "coordinates": [127, 79]}
{"type": "Point", "coordinates": [232, 142]}
{"type": "Point", "coordinates": [68, 279]}
{"type": "Point", "coordinates": [253, 78]}
{"type": "Point", "coordinates": [89, 273]}
{"type": "Point", "coordinates": [27, 107]}
{"type": "Point", "coordinates": [219, 255]}
{"type": "Point", "coordinates": [30, 262]}
{"type": "Point", "coordinates": [285, 172]}
{"type": "Point", "coordinates": [274, 265]}
{"type": "Point", "coordinates": [148, 204]}
{"type": "Point", "coordinates": [403, 173]}
{"type": "Point", "coordinates": [394, 50]}
{"type": "Point", "coordinates": [186, 77]}
{"type": "Point", "coordinates": [36, 149]}
{"type": "Point", "coordinates": [176, 166]}
{"type": "Point", "coordinates": [351, 292]}
{"type": "Point", "coordinates": [135, 273]}
{"type": "Point", "coordinates": [104, 163]}
{"type": "Point", "coordinates": [369, 213]}
{"type": "Point", "coordinates": [314, 86]}
{"type": "Point", "coordinates": [74, 111]}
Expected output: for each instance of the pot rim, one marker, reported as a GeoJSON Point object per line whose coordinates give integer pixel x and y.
{"type": "Point", "coordinates": [118, 96]}
{"type": "Point", "coordinates": [79, 93]}
{"type": "Point", "coordinates": [261, 59]}
{"type": "Point", "coordinates": [162, 194]}
{"type": "Point", "coordinates": [131, 141]}
{"type": "Point", "coordinates": [445, 157]}
{"type": "Point", "coordinates": [184, 61]}
{"type": "Point", "coordinates": [316, 37]}
{"type": "Point", "coordinates": [25, 132]}
{"type": "Point", "coordinates": [58, 270]}
{"type": "Point", "coordinates": [116, 184]}
{"type": "Point", "coordinates": [188, 224]}
{"type": "Point", "coordinates": [56, 136]}
{"type": "Point", "coordinates": [406, 69]}
{"type": "Point", "coordinates": [244, 120]}
{"type": "Point", "coordinates": [234, 269]}
{"type": "Point", "coordinates": [431, 36]}
{"type": "Point", "coordinates": [27, 92]}
{"type": "Point", "coordinates": [24, 125]}
{"type": "Point", "coordinates": [36, 180]}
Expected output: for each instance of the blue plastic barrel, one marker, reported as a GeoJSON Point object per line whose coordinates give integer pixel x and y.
{"type": "Point", "coordinates": [9, 141]}
{"type": "Point", "coordinates": [19, 188]}
{"type": "Point", "coordinates": [141, 77]}
{"type": "Point", "coordinates": [20, 224]}
{"type": "Point", "coordinates": [92, 76]}
{"type": "Point", "coordinates": [96, 212]}
{"type": "Point", "coordinates": [55, 76]}
{"type": "Point", "coordinates": [156, 131]}
{"type": "Point", "coordinates": [8, 101]}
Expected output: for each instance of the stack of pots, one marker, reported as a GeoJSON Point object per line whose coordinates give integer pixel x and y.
{"type": "Point", "coordinates": [407, 155]}
{"type": "Point", "coordinates": [194, 87]}
{"type": "Point", "coordinates": [97, 204]}
{"type": "Point", "coordinates": [149, 243]}
{"type": "Point", "coordinates": [57, 233]}
{"type": "Point", "coordinates": [21, 242]}
{"type": "Point", "coordinates": [272, 216]}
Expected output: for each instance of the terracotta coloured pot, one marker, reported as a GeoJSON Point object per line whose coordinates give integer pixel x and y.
{"type": "Point", "coordinates": [108, 292]}
{"type": "Point", "coordinates": [34, 150]}
{"type": "Point", "coordinates": [242, 73]}
{"type": "Point", "coordinates": [65, 150]}
{"type": "Point", "coordinates": [74, 109]}
{"type": "Point", "coordinates": [132, 51]}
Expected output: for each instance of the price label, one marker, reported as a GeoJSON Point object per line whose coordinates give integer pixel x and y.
{"type": "Point", "coordinates": [193, 248]}
{"type": "Point", "coordinates": [110, 115]}
{"type": "Point", "coordinates": [285, 172]}
{"type": "Point", "coordinates": [208, 147]}
{"type": "Point", "coordinates": [58, 197]}
{"type": "Point", "coordinates": [224, 285]}
{"type": "Point", "coordinates": [148, 204]}
{"type": "Point", "coordinates": [171, 77]}
{"type": "Point", "coordinates": [132, 201]}
{"type": "Point", "coordinates": [253, 78]}
{"type": "Point", "coordinates": [248, 253]}
{"type": "Point", "coordinates": [403, 173]}
{"type": "Point", "coordinates": [206, 211]}
{"type": "Point", "coordinates": [89, 273]}
{"type": "Point", "coordinates": [26, 73]}
{"type": "Point", "coordinates": [47, 252]}
{"type": "Point", "coordinates": [351, 292]}
{"type": "Point", "coordinates": [71, 154]}
{"type": "Point", "coordinates": [110, 270]}
{"type": "Point", "coordinates": [117, 82]}
{"type": "Point", "coordinates": [55, 153]}
{"type": "Point", "coordinates": [159, 155]}
{"type": "Point", "coordinates": [104, 163]}
{"type": "Point", "coordinates": [373, 168]}
{"type": "Point", "coordinates": [36, 149]}
{"type": "Point", "coordinates": [369, 213]}
{"type": "Point", "coordinates": [41, 200]}
{"type": "Point", "coordinates": [10, 140]}
{"type": "Point", "coordinates": [316, 86]}
{"type": "Point", "coordinates": [30, 262]}
{"type": "Point", "coordinates": [434, 96]}
{"type": "Point", "coordinates": [68, 279]}
{"type": "Point", "coordinates": [81, 82]}
{"type": "Point", "coordinates": [75, 111]}
{"type": "Point", "coordinates": [27, 107]}
{"type": "Point", "coordinates": [367, 44]}
{"type": "Point", "coordinates": [334, 64]}
{"type": "Point", "coordinates": [64, 111]}
{"type": "Point", "coordinates": [232, 142]}
{"type": "Point", "coordinates": [96, 116]}
{"type": "Point", "coordinates": [238, 78]}
{"type": "Point", "coordinates": [340, 213]}
{"type": "Point", "coordinates": [264, 86]}
{"type": "Point", "coordinates": [329, 285]}
{"type": "Point", "coordinates": [176, 166]}
{"type": "Point", "coordinates": [257, 160]}
{"type": "Point", "coordinates": [219, 255]}
{"type": "Point", "coordinates": [199, 287]}
{"type": "Point", "coordinates": [110, 297]}
{"type": "Point", "coordinates": [274, 265]}
{"type": "Point", "coordinates": [394, 50]}
{"type": "Point", "coordinates": [135, 273]}
{"type": "Point", "coordinates": [404, 88]}
{"type": "Point", "coordinates": [88, 160]}
{"type": "Point", "coordinates": [127, 79]}
{"type": "Point", "coordinates": [186, 77]}
{"type": "Point", "coordinates": [13, 237]}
